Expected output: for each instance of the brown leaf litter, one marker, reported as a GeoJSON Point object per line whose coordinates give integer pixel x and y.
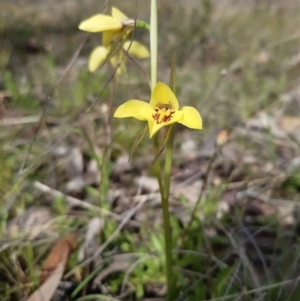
{"type": "Point", "coordinates": [53, 268]}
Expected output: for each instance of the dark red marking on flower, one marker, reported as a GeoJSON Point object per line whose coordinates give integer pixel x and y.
{"type": "Point", "coordinates": [164, 113]}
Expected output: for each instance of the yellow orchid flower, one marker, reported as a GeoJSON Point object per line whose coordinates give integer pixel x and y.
{"type": "Point", "coordinates": [162, 110]}
{"type": "Point", "coordinates": [99, 55]}
{"type": "Point", "coordinates": [118, 26]}
{"type": "Point", "coordinates": [110, 26]}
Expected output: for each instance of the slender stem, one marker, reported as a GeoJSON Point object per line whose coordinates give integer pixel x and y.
{"type": "Point", "coordinates": [164, 189]}
{"type": "Point", "coordinates": [142, 24]}
{"type": "Point", "coordinates": [153, 43]}
{"type": "Point", "coordinates": [157, 166]}
{"type": "Point", "coordinates": [171, 281]}
{"type": "Point", "coordinates": [166, 218]}
{"type": "Point", "coordinates": [171, 293]}
{"type": "Point", "coordinates": [153, 50]}
{"type": "Point", "coordinates": [168, 163]}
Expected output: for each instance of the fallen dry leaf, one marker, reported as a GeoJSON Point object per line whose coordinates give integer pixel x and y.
{"type": "Point", "coordinates": [53, 268]}
{"type": "Point", "coordinates": [46, 291]}
{"type": "Point", "coordinates": [289, 123]}
{"type": "Point", "coordinates": [61, 250]}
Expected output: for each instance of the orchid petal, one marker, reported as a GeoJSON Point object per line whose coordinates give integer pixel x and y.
{"type": "Point", "coordinates": [119, 61]}
{"type": "Point", "coordinates": [154, 127]}
{"type": "Point", "coordinates": [191, 118]}
{"type": "Point", "coordinates": [136, 49]}
{"type": "Point", "coordinates": [132, 108]}
{"type": "Point", "coordinates": [163, 94]}
{"type": "Point", "coordinates": [97, 57]}
{"type": "Point", "coordinates": [157, 126]}
{"type": "Point", "coordinates": [100, 23]}
{"type": "Point", "coordinates": [108, 36]}
{"type": "Point", "coordinates": [118, 15]}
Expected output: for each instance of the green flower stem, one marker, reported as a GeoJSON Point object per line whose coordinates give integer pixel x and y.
{"type": "Point", "coordinates": [165, 200]}
{"type": "Point", "coordinates": [157, 167]}
{"type": "Point", "coordinates": [164, 187]}
{"type": "Point", "coordinates": [153, 43]}
{"type": "Point", "coordinates": [171, 293]}
{"type": "Point", "coordinates": [164, 192]}
{"type": "Point", "coordinates": [166, 219]}
{"type": "Point", "coordinates": [153, 51]}
{"type": "Point", "coordinates": [168, 163]}
{"type": "Point", "coordinates": [142, 24]}
{"type": "Point", "coordinates": [171, 281]}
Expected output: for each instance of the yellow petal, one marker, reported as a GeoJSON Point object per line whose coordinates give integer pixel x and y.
{"type": "Point", "coordinates": [157, 126]}
{"type": "Point", "coordinates": [154, 127]}
{"type": "Point", "coordinates": [164, 95]}
{"type": "Point", "coordinates": [97, 57]}
{"type": "Point", "coordinates": [151, 125]}
{"type": "Point", "coordinates": [108, 36]}
{"type": "Point", "coordinates": [191, 118]}
{"type": "Point", "coordinates": [136, 49]}
{"type": "Point", "coordinates": [100, 23]}
{"type": "Point", "coordinates": [118, 15]}
{"type": "Point", "coordinates": [119, 61]}
{"type": "Point", "coordinates": [121, 68]}
{"type": "Point", "coordinates": [132, 108]}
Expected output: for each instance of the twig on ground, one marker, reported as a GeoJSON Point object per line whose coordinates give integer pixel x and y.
{"type": "Point", "coordinates": [73, 201]}
{"type": "Point", "coordinates": [19, 120]}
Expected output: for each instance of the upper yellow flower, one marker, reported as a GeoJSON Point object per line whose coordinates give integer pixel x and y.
{"type": "Point", "coordinates": [110, 26]}
{"type": "Point", "coordinates": [162, 110]}
{"type": "Point", "coordinates": [115, 26]}
{"type": "Point", "coordinates": [100, 53]}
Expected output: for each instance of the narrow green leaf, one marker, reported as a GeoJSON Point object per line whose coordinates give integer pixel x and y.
{"type": "Point", "coordinates": [85, 282]}
{"type": "Point", "coordinates": [163, 143]}
{"type": "Point", "coordinates": [137, 141]}
{"type": "Point", "coordinates": [97, 297]}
